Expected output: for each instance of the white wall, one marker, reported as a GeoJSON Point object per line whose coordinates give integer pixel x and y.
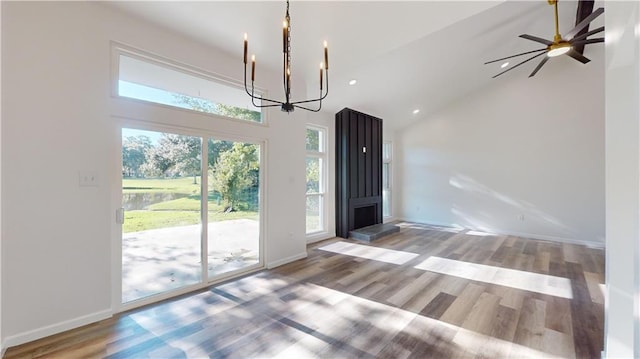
{"type": "Point", "coordinates": [523, 146]}
{"type": "Point", "coordinates": [58, 119]}
{"type": "Point", "coordinates": [622, 332]}
{"type": "Point", "coordinates": [2, 348]}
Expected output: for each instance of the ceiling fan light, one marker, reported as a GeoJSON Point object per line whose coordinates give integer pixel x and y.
{"type": "Point", "coordinates": [558, 50]}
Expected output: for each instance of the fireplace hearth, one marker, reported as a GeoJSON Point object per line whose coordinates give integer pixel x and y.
{"type": "Point", "coordinates": [373, 232]}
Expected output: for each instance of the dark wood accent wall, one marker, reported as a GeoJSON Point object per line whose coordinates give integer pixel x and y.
{"type": "Point", "coordinates": [358, 171]}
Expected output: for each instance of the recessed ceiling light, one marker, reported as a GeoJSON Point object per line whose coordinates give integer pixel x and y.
{"type": "Point", "coordinates": [504, 65]}
{"type": "Point", "coordinates": [416, 111]}
{"type": "Point", "coordinates": [353, 82]}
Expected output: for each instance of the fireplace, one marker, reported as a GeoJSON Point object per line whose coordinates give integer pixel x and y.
{"type": "Point", "coordinates": [364, 216]}
{"type": "Point", "coordinates": [358, 171]}
{"type": "Point", "coordinates": [363, 212]}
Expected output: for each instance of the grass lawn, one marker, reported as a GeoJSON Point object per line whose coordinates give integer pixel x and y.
{"type": "Point", "coordinates": [170, 185]}
{"type": "Point", "coordinates": [135, 221]}
{"type": "Point", "coordinates": [177, 212]}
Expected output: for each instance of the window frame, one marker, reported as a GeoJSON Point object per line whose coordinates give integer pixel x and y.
{"type": "Point", "coordinates": [321, 154]}
{"type": "Point", "coordinates": [205, 279]}
{"type": "Point", "coordinates": [118, 49]}
{"type": "Point", "coordinates": [388, 161]}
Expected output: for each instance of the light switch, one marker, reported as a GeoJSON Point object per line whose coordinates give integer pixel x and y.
{"type": "Point", "coordinates": [88, 179]}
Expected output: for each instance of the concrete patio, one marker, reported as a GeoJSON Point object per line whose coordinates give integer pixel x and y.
{"type": "Point", "coordinates": [159, 260]}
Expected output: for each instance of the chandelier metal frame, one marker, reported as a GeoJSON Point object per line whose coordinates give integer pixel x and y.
{"type": "Point", "coordinates": [286, 105]}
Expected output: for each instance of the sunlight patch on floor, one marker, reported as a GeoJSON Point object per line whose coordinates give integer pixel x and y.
{"type": "Point", "coordinates": [315, 319]}
{"type": "Point", "coordinates": [337, 322]}
{"type": "Point", "coordinates": [368, 252]}
{"type": "Point", "coordinates": [534, 282]}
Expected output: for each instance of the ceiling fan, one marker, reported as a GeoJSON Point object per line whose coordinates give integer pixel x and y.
{"type": "Point", "coordinates": [560, 45]}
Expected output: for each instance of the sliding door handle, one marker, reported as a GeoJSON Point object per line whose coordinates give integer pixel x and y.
{"type": "Point", "coordinates": [120, 215]}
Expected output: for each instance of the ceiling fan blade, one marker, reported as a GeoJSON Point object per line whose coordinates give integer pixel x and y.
{"type": "Point", "coordinates": [578, 56]}
{"type": "Point", "coordinates": [516, 55]}
{"type": "Point", "coordinates": [523, 62]}
{"type": "Point", "coordinates": [588, 41]}
{"type": "Point", "coordinates": [536, 39]}
{"type": "Point", "coordinates": [544, 61]}
{"type": "Point", "coordinates": [569, 35]}
{"type": "Point", "coordinates": [587, 34]}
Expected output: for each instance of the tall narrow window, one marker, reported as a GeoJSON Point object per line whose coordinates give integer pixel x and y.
{"type": "Point", "coordinates": [386, 179]}
{"type": "Point", "coordinates": [316, 182]}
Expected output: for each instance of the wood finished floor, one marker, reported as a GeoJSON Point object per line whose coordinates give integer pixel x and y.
{"type": "Point", "coordinates": [332, 305]}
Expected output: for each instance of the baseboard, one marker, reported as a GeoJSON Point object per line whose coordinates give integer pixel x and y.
{"type": "Point", "coordinates": [557, 239]}
{"type": "Point", "coordinates": [284, 261]}
{"type": "Point", "coordinates": [3, 349]}
{"type": "Point", "coordinates": [320, 237]}
{"type": "Point", "coordinates": [39, 333]}
{"type": "Point", "coordinates": [517, 234]}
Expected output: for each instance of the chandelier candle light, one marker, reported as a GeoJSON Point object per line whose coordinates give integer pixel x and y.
{"type": "Point", "coordinates": [287, 105]}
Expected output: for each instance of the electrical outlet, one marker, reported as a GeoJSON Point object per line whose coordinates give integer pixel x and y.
{"type": "Point", "coordinates": [521, 217]}
{"type": "Point", "coordinates": [88, 179]}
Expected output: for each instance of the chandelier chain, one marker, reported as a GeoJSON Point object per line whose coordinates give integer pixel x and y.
{"type": "Point", "coordinates": [288, 44]}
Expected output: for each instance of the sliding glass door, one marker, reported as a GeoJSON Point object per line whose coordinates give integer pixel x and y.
{"type": "Point", "coordinates": [171, 185]}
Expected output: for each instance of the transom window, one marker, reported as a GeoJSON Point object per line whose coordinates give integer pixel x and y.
{"type": "Point", "coordinates": [148, 80]}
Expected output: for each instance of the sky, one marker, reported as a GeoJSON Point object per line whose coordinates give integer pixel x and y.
{"type": "Point", "coordinates": [146, 93]}
{"type": "Point", "coordinates": [132, 90]}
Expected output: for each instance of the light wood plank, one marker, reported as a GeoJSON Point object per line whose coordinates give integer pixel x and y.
{"type": "Point", "coordinates": [530, 330]}
{"type": "Point", "coordinates": [461, 307]}
{"type": "Point", "coordinates": [595, 283]}
{"type": "Point", "coordinates": [335, 305]}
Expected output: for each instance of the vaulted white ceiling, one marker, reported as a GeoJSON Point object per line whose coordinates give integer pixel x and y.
{"type": "Point", "coordinates": [404, 55]}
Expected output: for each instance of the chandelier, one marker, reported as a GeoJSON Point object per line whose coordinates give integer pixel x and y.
{"type": "Point", "coordinates": [287, 105]}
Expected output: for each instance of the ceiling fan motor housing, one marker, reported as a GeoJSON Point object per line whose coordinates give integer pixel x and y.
{"type": "Point", "coordinates": [559, 48]}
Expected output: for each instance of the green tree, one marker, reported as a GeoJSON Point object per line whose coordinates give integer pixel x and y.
{"type": "Point", "coordinates": [175, 155]}
{"type": "Point", "coordinates": [313, 140]}
{"type": "Point", "coordinates": [202, 105]}
{"type": "Point", "coordinates": [215, 148]}
{"type": "Point", "coordinates": [237, 112]}
{"type": "Point", "coordinates": [313, 163]}
{"type": "Point", "coordinates": [194, 103]}
{"type": "Point", "coordinates": [134, 149]}
{"type": "Point", "coordinates": [313, 174]}
{"type": "Point", "coordinates": [156, 164]}
{"type": "Point", "coordinates": [236, 171]}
